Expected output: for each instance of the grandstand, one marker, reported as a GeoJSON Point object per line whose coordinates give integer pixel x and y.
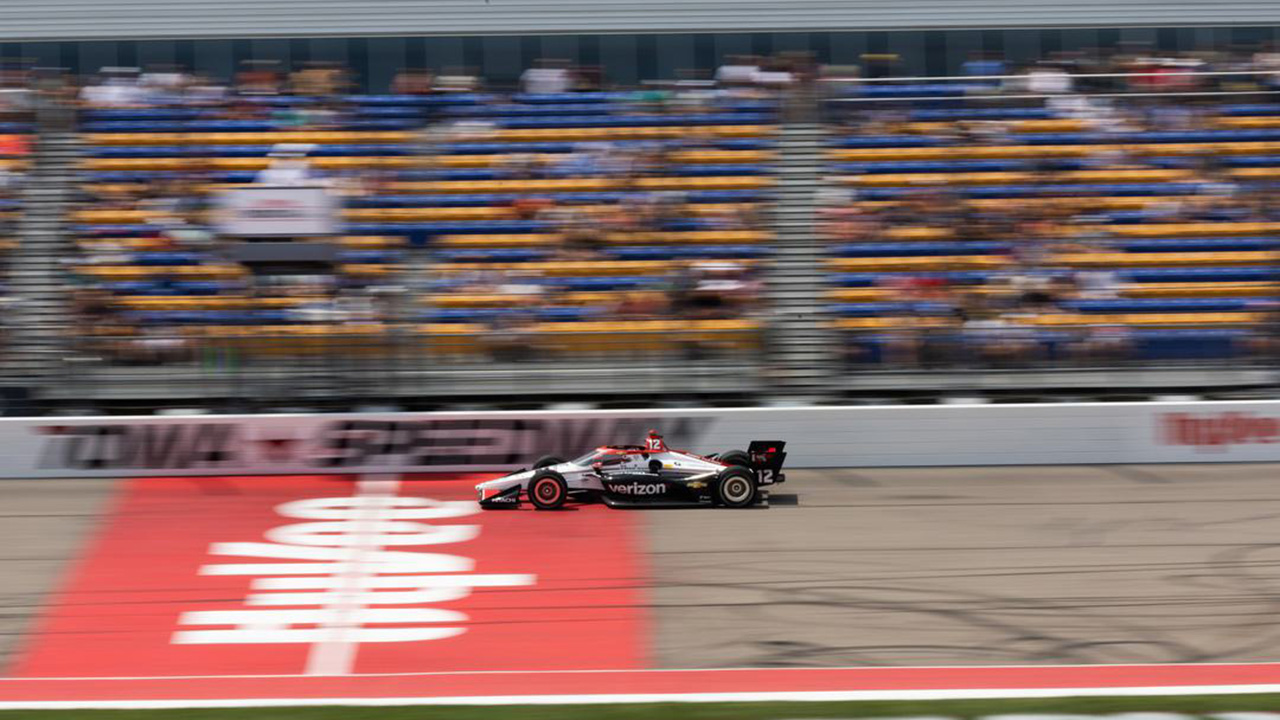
{"type": "Point", "coordinates": [1082, 231]}
{"type": "Point", "coordinates": [781, 232]}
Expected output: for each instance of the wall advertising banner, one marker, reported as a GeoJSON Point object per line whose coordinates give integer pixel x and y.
{"type": "Point", "coordinates": [1059, 434]}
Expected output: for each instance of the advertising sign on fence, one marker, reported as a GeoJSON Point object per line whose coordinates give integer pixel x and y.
{"type": "Point", "coordinates": [902, 436]}
{"type": "Point", "coordinates": [269, 211]}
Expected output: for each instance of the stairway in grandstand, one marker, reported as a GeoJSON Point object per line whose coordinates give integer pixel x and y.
{"type": "Point", "coordinates": [38, 326]}
{"type": "Point", "coordinates": [799, 341]}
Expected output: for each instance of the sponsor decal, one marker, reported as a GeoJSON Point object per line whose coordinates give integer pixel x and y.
{"type": "Point", "coordinates": [1218, 431]}
{"type": "Point", "coordinates": [168, 446]}
{"type": "Point", "coordinates": [298, 574]}
{"type": "Point", "coordinates": [343, 571]}
{"type": "Point", "coordinates": [424, 443]}
{"type": "Point", "coordinates": [639, 488]}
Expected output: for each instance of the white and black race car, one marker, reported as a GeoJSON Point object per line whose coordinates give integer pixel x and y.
{"type": "Point", "coordinates": [649, 475]}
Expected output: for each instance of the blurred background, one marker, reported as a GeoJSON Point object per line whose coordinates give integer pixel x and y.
{"type": "Point", "coordinates": [330, 207]}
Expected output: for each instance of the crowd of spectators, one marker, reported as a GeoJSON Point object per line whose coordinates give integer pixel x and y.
{"type": "Point", "coordinates": [942, 319]}
{"type": "Point", "coordinates": [176, 206]}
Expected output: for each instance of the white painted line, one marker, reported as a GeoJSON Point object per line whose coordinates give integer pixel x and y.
{"type": "Point", "coordinates": [599, 671]}
{"type": "Point", "coordinates": [822, 696]}
{"type": "Point", "coordinates": [336, 655]}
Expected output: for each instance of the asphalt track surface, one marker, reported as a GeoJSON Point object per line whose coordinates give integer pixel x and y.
{"type": "Point", "coordinates": [978, 566]}
{"type": "Point", "coordinates": [43, 526]}
{"type": "Point", "coordinates": [893, 567]}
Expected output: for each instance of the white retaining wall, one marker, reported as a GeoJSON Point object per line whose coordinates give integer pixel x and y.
{"type": "Point", "coordinates": [1084, 433]}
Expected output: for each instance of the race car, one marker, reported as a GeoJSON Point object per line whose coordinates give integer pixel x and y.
{"type": "Point", "coordinates": [649, 475]}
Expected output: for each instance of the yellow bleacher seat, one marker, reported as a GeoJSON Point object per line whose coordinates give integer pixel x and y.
{"type": "Point", "coordinates": [504, 186]}
{"type": "Point", "coordinates": [722, 157]}
{"type": "Point", "coordinates": [1144, 319]}
{"type": "Point", "coordinates": [1247, 123]}
{"type": "Point", "coordinates": [719, 157]}
{"type": "Point", "coordinates": [249, 138]}
{"type": "Point", "coordinates": [1059, 320]}
{"type": "Point", "coordinates": [533, 186]}
{"type": "Point", "coordinates": [458, 339]}
{"type": "Point", "coordinates": [739, 182]}
{"type": "Point", "coordinates": [630, 133]}
{"type": "Point", "coordinates": [924, 179]}
{"type": "Point", "coordinates": [888, 323]}
{"type": "Point", "coordinates": [111, 217]}
{"type": "Point", "coordinates": [1164, 259]}
{"type": "Point", "coordinates": [1136, 202]}
{"type": "Point", "coordinates": [496, 241]}
{"type": "Point", "coordinates": [977, 152]}
{"type": "Point", "coordinates": [940, 262]}
{"type": "Point", "coordinates": [164, 163]}
{"type": "Point", "coordinates": [1260, 173]}
{"type": "Point", "coordinates": [918, 233]}
{"type": "Point", "coordinates": [1017, 126]}
{"type": "Point", "coordinates": [1219, 148]}
{"type": "Point", "coordinates": [241, 164]}
{"type": "Point", "coordinates": [693, 237]}
{"type": "Point", "coordinates": [859, 294]}
{"type": "Point", "coordinates": [402, 214]}
{"type": "Point", "coordinates": [568, 269]}
{"type": "Point", "coordinates": [1203, 229]}
{"type": "Point", "coordinates": [1015, 178]}
{"type": "Point", "coordinates": [131, 272]}
{"type": "Point", "coordinates": [450, 339]}
{"type": "Point", "coordinates": [573, 299]}
{"type": "Point", "coordinates": [1124, 176]}
{"type": "Point", "coordinates": [207, 302]}
{"type": "Point", "coordinates": [1201, 289]}
{"type": "Point", "coordinates": [1130, 290]}
{"type": "Point", "coordinates": [366, 270]}
{"type": "Point", "coordinates": [371, 242]}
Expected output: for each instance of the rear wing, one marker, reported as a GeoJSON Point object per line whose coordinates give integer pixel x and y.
{"type": "Point", "coordinates": [767, 456]}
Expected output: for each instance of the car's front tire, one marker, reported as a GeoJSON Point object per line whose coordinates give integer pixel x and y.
{"type": "Point", "coordinates": [547, 490]}
{"type": "Point", "coordinates": [736, 487]}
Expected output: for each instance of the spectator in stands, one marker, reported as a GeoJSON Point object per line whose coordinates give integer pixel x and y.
{"type": "Point", "coordinates": [115, 88]}
{"type": "Point", "coordinates": [1107, 342]}
{"type": "Point", "coordinates": [259, 77]}
{"type": "Point", "coordinates": [547, 77]}
{"type": "Point", "coordinates": [413, 81]}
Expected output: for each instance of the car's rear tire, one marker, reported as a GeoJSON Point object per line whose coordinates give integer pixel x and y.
{"type": "Point", "coordinates": [546, 461]}
{"type": "Point", "coordinates": [735, 457]}
{"type": "Point", "coordinates": [736, 487]}
{"type": "Point", "coordinates": [547, 490]}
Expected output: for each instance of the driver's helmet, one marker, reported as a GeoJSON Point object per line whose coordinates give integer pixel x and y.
{"type": "Point", "coordinates": [654, 443]}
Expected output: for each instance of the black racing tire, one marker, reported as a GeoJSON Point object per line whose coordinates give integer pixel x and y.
{"type": "Point", "coordinates": [739, 458]}
{"type": "Point", "coordinates": [545, 461]}
{"type": "Point", "coordinates": [736, 487]}
{"type": "Point", "coordinates": [547, 490]}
